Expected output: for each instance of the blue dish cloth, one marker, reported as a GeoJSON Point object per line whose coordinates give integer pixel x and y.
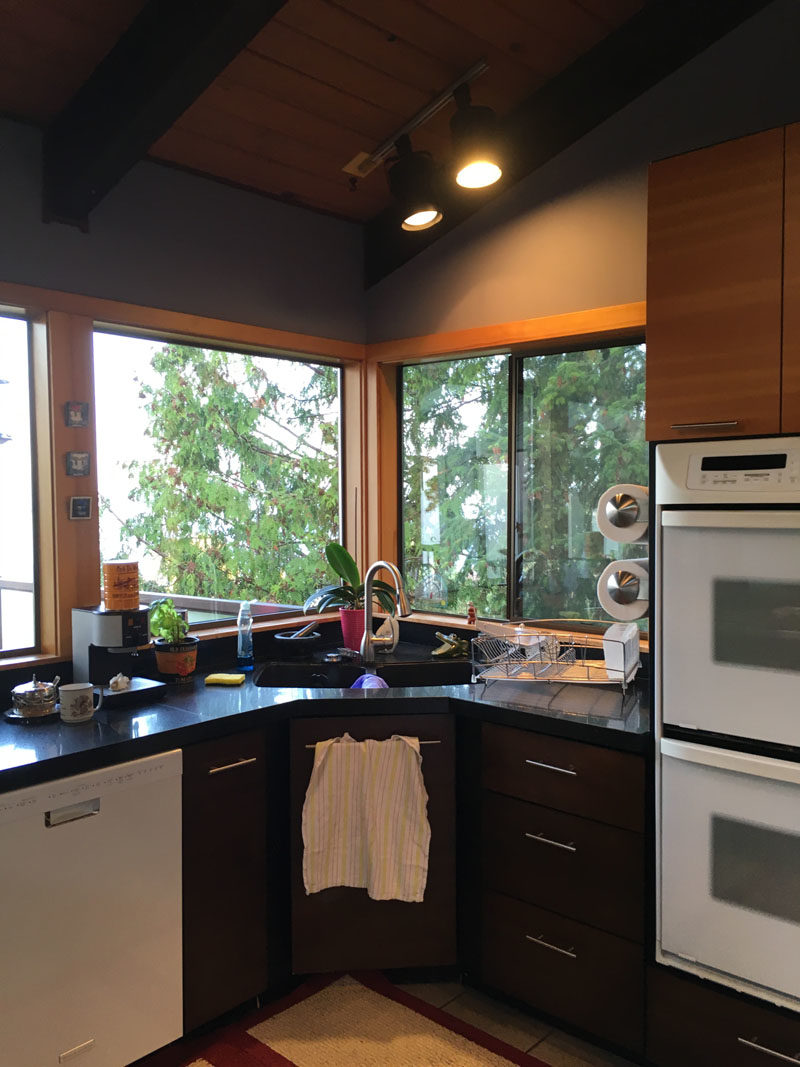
{"type": "Point", "coordinates": [369, 681]}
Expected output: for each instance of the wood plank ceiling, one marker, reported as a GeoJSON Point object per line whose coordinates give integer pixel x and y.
{"type": "Point", "coordinates": [297, 95]}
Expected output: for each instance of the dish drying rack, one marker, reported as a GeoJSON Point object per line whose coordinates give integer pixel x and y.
{"type": "Point", "coordinates": [536, 656]}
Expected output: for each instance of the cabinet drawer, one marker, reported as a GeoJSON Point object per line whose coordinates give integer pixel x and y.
{"type": "Point", "coordinates": [565, 969]}
{"type": "Point", "coordinates": [574, 866]}
{"type": "Point", "coordinates": [567, 775]}
{"type": "Point", "coordinates": [690, 1024]}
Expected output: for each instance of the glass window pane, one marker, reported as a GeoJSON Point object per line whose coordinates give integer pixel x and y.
{"type": "Point", "coordinates": [581, 430]}
{"type": "Point", "coordinates": [218, 472]}
{"type": "Point", "coordinates": [455, 484]}
{"type": "Point", "coordinates": [17, 593]}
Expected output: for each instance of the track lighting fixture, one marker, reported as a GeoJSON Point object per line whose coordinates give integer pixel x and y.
{"type": "Point", "coordinates": [412, 180]}
{"type": "Point", "coordinates": [476, 155]}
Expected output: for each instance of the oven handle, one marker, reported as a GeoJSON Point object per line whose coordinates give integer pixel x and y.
{"type": "Point", "coordinates": [777, 770]}
{"type": "Point", "coordinates": [738, 520]}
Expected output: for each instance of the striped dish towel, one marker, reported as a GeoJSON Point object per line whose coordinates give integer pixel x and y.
{"type": "Point", "coordinates": [365, 821]}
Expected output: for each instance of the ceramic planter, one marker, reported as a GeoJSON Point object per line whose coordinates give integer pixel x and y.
{"type": "Point", "coordinates": [352, 620]}
{"type": "Point", "coordinates": [176, 660]}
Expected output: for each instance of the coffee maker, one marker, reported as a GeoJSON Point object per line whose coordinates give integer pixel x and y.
{"type": "Point", "coordinates": [98, 634]}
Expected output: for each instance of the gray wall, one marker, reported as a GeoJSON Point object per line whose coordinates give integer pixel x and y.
{"type": "Point", "coordinates": [167, 239]}
{"type": "Point", "coordinates": [572, 236]}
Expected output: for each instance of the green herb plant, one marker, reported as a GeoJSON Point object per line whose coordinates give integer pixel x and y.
{"type": "Point", "coordinates": [165, 622]}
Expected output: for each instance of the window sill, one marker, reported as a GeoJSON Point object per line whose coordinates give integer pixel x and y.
{"type": "Point", "coordinates": [32, 659]}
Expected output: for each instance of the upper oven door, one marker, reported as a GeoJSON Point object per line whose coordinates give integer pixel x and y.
{"type": "Point", "coordinates": [729, 659]}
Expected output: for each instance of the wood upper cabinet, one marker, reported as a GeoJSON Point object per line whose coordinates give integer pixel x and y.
{"type": "Point", "coordinates": [714, 290]}
{"type": "Point", "coordinates": [790, 410]}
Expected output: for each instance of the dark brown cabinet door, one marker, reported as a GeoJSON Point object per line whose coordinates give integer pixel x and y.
{"type": "Point", "coordinates": [691, 1024]}
{"type": "Point", "coordinates": [790, 410]}
{"type": "Point", "coordinates": [224, 875]}
{"type": "Point", "coordinates": [565, 969]}
{"type": "Point", "coordinates": [342, 928]}
{"type": "Point", "coordinates": [574, 866]}
{"type": "Point", "coordinates": [714, 290]}
{"type": "Point", "coordinates": [566, 775]}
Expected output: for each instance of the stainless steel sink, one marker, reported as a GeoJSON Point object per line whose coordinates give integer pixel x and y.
{"type": "Point", "coordinates": [342, 675]}
{"type": "Point", "coordinates": [309, 675]}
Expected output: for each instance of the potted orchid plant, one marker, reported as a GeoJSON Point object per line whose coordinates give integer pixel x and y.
{"type": "Point", "coordinates": [348, 595]}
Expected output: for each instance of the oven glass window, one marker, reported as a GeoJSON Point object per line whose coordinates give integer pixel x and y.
{"type": "Point", "coordinates": [741, 855]}
{"type": "Point", "coordinates": [757, 624]}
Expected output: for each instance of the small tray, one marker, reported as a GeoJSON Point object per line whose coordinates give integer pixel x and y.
{"type": "Point", "coordinates": [140, 690]}
{"type": "Point", "coordinates": [13, 715]}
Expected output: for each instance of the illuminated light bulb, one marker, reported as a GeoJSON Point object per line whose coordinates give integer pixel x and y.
{"type": "Point", "coordinates": [478, 174]}
{"type": "Point", "coordinates": [421, 220]}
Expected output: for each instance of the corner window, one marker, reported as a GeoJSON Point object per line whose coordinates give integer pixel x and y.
{"type": "Point", "coordinates": [217, 471]}
{"type": "Point", "coordinates": [17, 532]}
{"type": "Point", "coordinates": [576, 420]}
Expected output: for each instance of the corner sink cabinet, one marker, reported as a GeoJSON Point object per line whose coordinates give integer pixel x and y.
{"type": "Point", "coordinates": [342, 928]}
{"type": "Point", "coordinates": [723, 289]}
{"type": "Point", "coordinates": [562, 858]}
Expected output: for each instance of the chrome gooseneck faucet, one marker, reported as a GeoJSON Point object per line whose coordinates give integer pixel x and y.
{"type": "Point", "coordinates": [370, 640]}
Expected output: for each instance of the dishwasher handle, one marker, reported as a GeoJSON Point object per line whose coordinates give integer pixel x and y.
{"type": "Point", "coordinates": [72, 812]}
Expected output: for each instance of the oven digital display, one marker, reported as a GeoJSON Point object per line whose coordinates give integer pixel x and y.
{"type": "Point", "coordinates": [765, 462]}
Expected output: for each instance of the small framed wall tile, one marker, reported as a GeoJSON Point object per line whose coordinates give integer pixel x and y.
{"type": "Point", "coordinates": [76, 413]}
{"type": "Point", "coordinates": [80, 507]}
{"type": "Point", "coordinates": [78, 464]}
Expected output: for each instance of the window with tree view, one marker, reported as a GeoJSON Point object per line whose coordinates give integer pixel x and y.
{"type": "Point", "coordinates": [217, 471]}
{"type": "Point", "coordinates": [17, 556]}
{"type": "Point", "coordinates": [577, 423]}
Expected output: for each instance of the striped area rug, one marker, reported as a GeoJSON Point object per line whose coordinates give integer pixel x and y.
{"type": "Point", "coordinates": [346, 1021]}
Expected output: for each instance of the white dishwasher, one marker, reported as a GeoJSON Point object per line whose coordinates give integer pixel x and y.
{"type": "Point", "coordinates": [90, 916]}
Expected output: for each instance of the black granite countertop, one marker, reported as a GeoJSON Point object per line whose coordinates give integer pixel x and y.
{"type": "Point", "coordinates": [37, 752]}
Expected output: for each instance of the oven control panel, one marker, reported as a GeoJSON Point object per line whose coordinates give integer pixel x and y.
{"type": "Point", "coordinates": [753, 472]}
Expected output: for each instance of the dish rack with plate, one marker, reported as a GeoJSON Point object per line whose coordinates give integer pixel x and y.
{"type": "Point", "coordinates": [534, 656]}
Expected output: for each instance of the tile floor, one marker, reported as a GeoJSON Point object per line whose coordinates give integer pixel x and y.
{"type": "Point", "coordinates": [514, 1027]}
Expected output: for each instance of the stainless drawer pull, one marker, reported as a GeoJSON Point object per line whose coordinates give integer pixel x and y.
{"type": "Point", "coordinates": [554, 948]}
{"type": "Point", "coordinates": [232, 766]}
{"type": "Point", "coordinates": [722, 424]}
{"type": "Point", "coordinates": [551, 767]}
{"type": "Point", "coordinates": [768, 1051]}
{"type": "Point", "coordinates": [549, 841]}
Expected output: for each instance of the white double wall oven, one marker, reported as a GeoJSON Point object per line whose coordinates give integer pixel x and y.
{"type": "Point", "coordinates": [727, 712]}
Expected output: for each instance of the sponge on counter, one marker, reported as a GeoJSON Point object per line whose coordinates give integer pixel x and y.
{"type": "Point", "coordinates": [224, 679]}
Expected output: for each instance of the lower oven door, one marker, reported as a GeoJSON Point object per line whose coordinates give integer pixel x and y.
{"type": "Point", "coordinates": [729, 878]}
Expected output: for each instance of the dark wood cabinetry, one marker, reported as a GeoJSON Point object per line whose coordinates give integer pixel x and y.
{"type": "Point", "coordinates": [224, 874]}
{"type": "Point", "coordinates": [715, 353]}
{"type": "Point", "coordinates": [692, 1024]}
{"type": "Point", "coordinates": [342, 928]}
{"type": "Point", "coordinates": [563, 875]}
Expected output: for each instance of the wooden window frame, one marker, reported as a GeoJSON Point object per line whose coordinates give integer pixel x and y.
{"type": "Point", "coordinates": [63, 323]}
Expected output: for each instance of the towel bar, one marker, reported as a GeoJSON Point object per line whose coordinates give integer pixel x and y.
{"type": "Point", "coordinates": [431, 742]}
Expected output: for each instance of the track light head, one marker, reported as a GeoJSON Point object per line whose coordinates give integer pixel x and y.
{"type": "Point", "coordinates": [412, 180]}
{"type": "Point", "coordinates": [476, 154]}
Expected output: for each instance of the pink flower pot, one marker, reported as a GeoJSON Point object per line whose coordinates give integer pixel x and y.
{"type": "Point", "coordinates": [352, 620]}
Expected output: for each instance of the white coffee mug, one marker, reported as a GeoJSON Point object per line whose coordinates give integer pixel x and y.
{"type": "Point", "coordinates": [76, 701]}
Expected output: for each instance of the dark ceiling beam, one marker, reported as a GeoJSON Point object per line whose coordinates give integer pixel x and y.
{"type": "Point", "coordinates": [658, 40]}
{"type": "Point", "coordinates": [169, 55]}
